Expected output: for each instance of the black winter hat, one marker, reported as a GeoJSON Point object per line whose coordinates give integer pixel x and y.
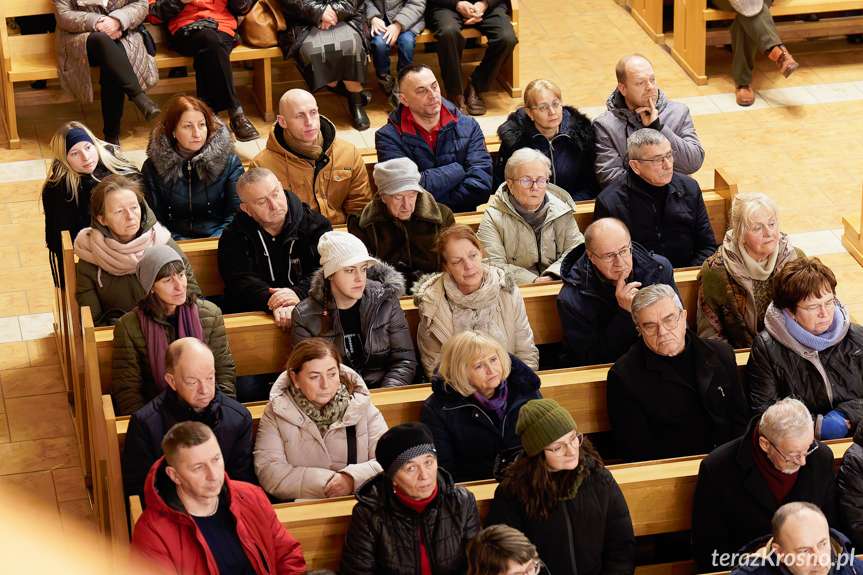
{"type": "Point", "coordinates": [402, 443]}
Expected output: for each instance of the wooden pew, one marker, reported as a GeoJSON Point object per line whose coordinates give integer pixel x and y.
{"type": "Point", "coordinates": [648, 14]}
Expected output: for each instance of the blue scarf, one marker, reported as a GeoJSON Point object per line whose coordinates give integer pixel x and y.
{"type": "Point", "coordinates": [497, 403]}
{"type": "Point", "coordinates": [812, 341]}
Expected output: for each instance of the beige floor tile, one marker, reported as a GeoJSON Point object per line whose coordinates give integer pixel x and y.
{"type": "Point", "coordinates": [39, 455]}
{"type": "Point", "coordinates": [69, 484]}
{"type": "Point", "coordinates": [829, 218]}
{"type": "Point", "coordinates": [4, 429]}
{"type": "Point", "coordinates": [793, 223]}
{"type": "Point", "coordinates": [816, 174]}
{"type": "Point", "coordinates": [4, 214]}
{"type": "Point", "coordinates": [794, 115]}
{"type": "Point", "coordinates": [716, 144]}
{"type": "Point", "coordinates": [766, 137]}
{"type": "Point", "coordinates": [32, 381]}
{"type": "Point", "coordinates": [20, 191]}
{"type": "Point", "coordinates": [32, 488]}
{"type": "Point", "coordinates": [40, 300]}
{"type": "Point", "coordinates": [728, 122]}
{"type": "Point", "coordinates": [43, 352]}
{"type": "Point", "coordinates": [802, 197]}
{"type": "Point", "coordinates": [847, 193]}
{"type": "Point", "coordinates": [33, 254]}
{"type": "Point", "coordinates": [842, 259]}
{"type": "Point", "coordinates": [753, 159]}
{"type": "Point", "coordinates": [32, 277]}
{"type": "Point", "coordinates": [14, 355]}
{"type": "Point", "coordinates": [39, 416]}
{"type": "Point", "coordinates": [21, 212]}
{"type": "Point", "coordinates": [825, 152]}
{"type": "Point", "coordinates": [831, 132]}
{"type": "Point", "coordinates": [9, 257]}
{"type": "Point", "coordinates": [844, 110]}
{"type": "Point", "coordinates": [13, 304]}
{"type": "Point", "coordinates": [849, 286]}
{"type": "Point", "coordinates": [29, 233]}
{"type": "Point", "coordinates": [77, 517]}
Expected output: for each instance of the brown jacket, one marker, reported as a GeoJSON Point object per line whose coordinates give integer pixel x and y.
{"type": "Point", "coordinates": [335, 188]}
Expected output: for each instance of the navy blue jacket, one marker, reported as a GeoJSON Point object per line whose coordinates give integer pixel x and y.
{"type": "Point", "coordinates": [572, 151]}
{"type": "Point", "coordinates": [230, 421]}
{"type": "Point", "coordinates": [467, 438]}
{"type": "Point", "coordinates": [844, 561]}
{"type": "Point", "coordinates": [457, 172]}
{"type": "Point", "coordinates": [596, 329]}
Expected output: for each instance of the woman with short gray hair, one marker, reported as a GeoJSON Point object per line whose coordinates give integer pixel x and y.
{"type": "Point", "coordinates": [529, 225]}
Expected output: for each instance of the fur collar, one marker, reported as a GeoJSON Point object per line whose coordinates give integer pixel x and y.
{"type": "Point", "coordinates": [383, 281]}
{"type": "Point", "coordinates": [209, 163]}
{"type": "Point", "coordinates": [522, 381]}
{"type": "Point", "coordinates": [427, 283]}
{"type": "Point", "coordinates": [426, 209]}
{"type": "Point", "coordinates": [519, 129]}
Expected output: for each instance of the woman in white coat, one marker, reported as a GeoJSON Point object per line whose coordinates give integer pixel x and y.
{"type": "Point", "coordinates": [318, 434]}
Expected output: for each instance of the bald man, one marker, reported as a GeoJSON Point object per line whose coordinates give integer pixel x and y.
{"type": "Point", "coordinates": [191, 395]}
{"type": "Point", "coordinates": [309, 160]}
{"type": "Point", "coordinates": [638, 103]}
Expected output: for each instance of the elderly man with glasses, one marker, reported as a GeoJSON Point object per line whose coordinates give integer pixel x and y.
{"type": "Point", "coordinates": [595, 301]}
{"type": "Point", "coordinates": [741, 484]}
{"type": "Point", "coordinates": [663, 210]}
{"type": "Point", "coordinates": [673, 394]}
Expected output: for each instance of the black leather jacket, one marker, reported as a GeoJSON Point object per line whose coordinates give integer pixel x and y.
{"type": "Point", "coordinates": [302, 15]}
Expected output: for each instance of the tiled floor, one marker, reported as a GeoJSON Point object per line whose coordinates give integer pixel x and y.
{"type": "Point", "coordinates": [802, 143]}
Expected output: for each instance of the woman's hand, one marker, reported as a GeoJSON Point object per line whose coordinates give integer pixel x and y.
{"type": "Point", "coordinates": [339, 485]}
{"type": "Point", "coordinates": [109, 26]}
{"type": "Point", "coordinates": [377, 26]}
{"type": "Point", "coordinates": [543, 279]}
{"type": "Point", "coordinates": [329, 19]}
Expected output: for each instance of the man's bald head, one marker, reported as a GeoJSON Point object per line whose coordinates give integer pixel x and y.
{"type": "Point", "coordinates": [602, 228]}
{"type": "Point", "coordinates": [298, 115]}
{"type": "Point", "coordinates": [192, 345]}
{"type": "Point", "coordinates": [625, 63]}
{"type": "Point", "coordinates": [191, 372]}
{"type": "Point", "coordinates": [605, 239]}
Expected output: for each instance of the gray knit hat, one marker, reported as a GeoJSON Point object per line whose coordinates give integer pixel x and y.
{"type": "Point", "coordinates": [153, 260]}
{"type": "Point", "coordinates": [397, 175]}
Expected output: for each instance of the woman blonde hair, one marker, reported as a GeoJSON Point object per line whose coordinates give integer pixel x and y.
{"type": "Point", "coordinates": [531, 93]}
{"type": "Point", "coordinates": [460, 352]}
{"type": "Point", "coordinates": [745, 205]}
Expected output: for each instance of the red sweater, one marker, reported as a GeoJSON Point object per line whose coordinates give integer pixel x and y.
{"type": "Point", "coordinates": [419, 507]}
{"type": "Point", "coordinates": [780, 484]}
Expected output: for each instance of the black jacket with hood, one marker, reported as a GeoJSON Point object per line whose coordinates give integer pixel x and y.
{"type": "Point", "coordinates": [251, 261]}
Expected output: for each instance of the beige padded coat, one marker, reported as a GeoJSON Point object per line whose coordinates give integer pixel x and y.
{"type": "Point", "coordinates": [76, 19]}
{"type": "Point", "coordinates": [293, 461]}
{"type": "Point", "coordinates": [511, 242]}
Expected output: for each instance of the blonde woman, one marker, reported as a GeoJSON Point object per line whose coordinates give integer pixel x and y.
{"type": "Point", "coordinates": [80, 161]}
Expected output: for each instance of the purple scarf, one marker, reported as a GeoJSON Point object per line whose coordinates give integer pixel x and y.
{"type": "Point", "coordinates": [497, 403]}
{"type": "Point", "coordinates": [189, 325]}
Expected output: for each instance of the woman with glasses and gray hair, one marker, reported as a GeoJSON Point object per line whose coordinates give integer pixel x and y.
{"type": "Point", "coordinates": [528, 227]}
{"type": "Point", "coordinates": [809, 350]}
{"type": "Point", "coordinates": [673, 394]}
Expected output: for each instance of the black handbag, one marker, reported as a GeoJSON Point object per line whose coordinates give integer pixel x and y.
{"type": "Point", "coordinates": [149, 43]}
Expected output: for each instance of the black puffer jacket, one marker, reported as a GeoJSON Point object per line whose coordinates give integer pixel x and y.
{"type": "Point", "coordinates": [193, 198]}
{"type": "Point", "coordinates": [849, 487]}
{"type": "Point", "coordinates": [390, 359]}
{"type": "Point", "coordinates": [383, 536]}
{"type": "Point", "coordinates": [468, 438]}
{"type": "Point", "coordinates": [251, 261]}
{"type": "Point", "coordinates": [572, 151]}
{"type": "Point", "coordinates": [303, 15]}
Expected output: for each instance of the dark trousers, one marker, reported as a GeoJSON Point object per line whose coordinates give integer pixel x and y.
{"type": "Point", "coordinates": [447, 25]}
{"type": "Point", "coordinates": [214, 79]}
{"type": "Point", "coordinates": [116, 77]}
{"type": "Point", "coordinates": [749, 34]}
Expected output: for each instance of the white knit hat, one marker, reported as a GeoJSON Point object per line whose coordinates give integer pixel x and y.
{"type": "Point", "coordinates": [340, 250]}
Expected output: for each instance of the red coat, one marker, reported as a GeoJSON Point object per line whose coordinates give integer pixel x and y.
{"type": "Point", "coordinates": [172, 541]}
{"type": "Point", "coordinates": [176, 14]}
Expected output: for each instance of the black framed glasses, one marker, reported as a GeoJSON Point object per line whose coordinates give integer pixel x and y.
{"type": "Point", "coordinates": [657, 161]}
{"type": "Point", "coordinates": [608, 258]}
{"type": "Point", "coordinates": [807, 453]}
{"type": "Point", "coordinates": [668, 323]}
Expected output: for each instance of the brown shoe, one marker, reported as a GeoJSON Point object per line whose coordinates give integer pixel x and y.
{"type": "Point", "coordinates": [745, 95]}
{"type": "Point", "coordinates": [783, 59]}
{"type": "Point", "coordinates": [459, 103]}
{"type": "Point", "coordinates": [473, 101]}
{"type": "Point", "coordinates": [243, 128]}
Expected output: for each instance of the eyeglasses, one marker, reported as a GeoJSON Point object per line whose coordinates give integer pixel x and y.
{"type": "Point", "coordinates": [658, 161]}
{"type": "Point", "coordinates": [809, 452]}
{"type": "Point", "coordinates": [534, 569]}
{"type": "Point", "coordinates": [608, 258]}
{"type": "Point", "coordinates": [827, 307]}
{"type": "Point", "coordinates": [527, 183]}
{"type": "Point", "coordinates": [574, 442]}
{"type": "Point", "coordinates": [668, 323]}
{"type": "Point", "coordinates": [545, 108]}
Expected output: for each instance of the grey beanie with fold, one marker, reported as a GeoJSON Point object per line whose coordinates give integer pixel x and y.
{"type": "Point", "coordinates": [153, 260]}
{"type": "Point", "coordinates": [397, 175]}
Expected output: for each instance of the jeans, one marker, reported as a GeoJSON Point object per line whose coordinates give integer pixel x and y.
{"type": "Point", "coordinates": [381, 52]}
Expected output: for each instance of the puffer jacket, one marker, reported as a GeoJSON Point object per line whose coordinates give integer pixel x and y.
{"type": "Point", "coordinates": [250, 265]}
{"type": "Point", "coordinates": [133, 383]}
{"type": "Point", "coordinates": [436, 321]}
{"type": "Point", "coordinates": [167, 538]}
{"type": "Point", "coordinates": [408, 246]}
{"type": "Point", "coordinates": [849, 487]}
{"type": "Point", "coordinates": [779, 366]}
{"type": "Point", "coordinates": [178, 14]}
{"type": "Point", "coordinates": [512, 244]}
{"type": "Point", "coordinates": [76, 20]}
{"type": "Point", "coordinates": [383, 535]}
{"type": "Point", "coordinates": [409, 13]}
{"type": "Point", "coordinates": [457, 172]}
{"type": "Point", "coordinates": [572, 150]}
{"type": "Point", "coordinates": [293, 461]}
{"type": "Point", "coordinates": [336, 185]}
{"type": "Point", "coordinates": [302, 15]}
{"type": "Point", "coordinates": [468, 439]}
{"type": "Point", "coordinates": [761, 559]}
{"type": "Point", "coordinates": [193, 198]}
{"type": "Point", "coordinates": [390, 359]}
{"type": "Point", "coordinates": [596, 329]}
{"type": "Point", "coordinates": [104, 292]}
{"type": "Point", "coordinates": [615, 125]}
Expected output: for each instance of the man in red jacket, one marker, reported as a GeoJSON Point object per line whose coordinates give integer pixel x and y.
{"type": "Point", "coordinates": [199, 522]}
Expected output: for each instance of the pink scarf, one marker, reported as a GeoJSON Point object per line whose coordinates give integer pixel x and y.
{"type": "Point", "coordinates": [116, 258]}
{"type": "Point", "coordinates": [189, 325]}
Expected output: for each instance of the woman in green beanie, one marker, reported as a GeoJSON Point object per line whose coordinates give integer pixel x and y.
{"type": "Point", "coordinates": [563, 499]}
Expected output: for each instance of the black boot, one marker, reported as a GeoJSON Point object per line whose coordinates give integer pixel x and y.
{"type": "Point", "coordinates": [148, 107]}
{"type": "Point", "coordinates": [358, 111]}
{"type": "Point", "coordinates": [342, 91]}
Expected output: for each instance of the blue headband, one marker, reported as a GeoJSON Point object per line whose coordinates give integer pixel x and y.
{"type": "Point", "coordinates": [76, 136]}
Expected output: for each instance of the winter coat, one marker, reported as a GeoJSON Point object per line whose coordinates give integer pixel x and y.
{"type": "Point", "coordinates": [656, 414]}
{"type": "Point", "coordinates": [409, 13]}
{"type": "Point", "coordinates": [408, 246]}
{"type": "Point", "coordinates": [390, 359]}
{"type": "Point", "coordinates": [457, 172]}
{"type": "Point", "coordinates": [230, 421]}
{"type": "Point", "coordinates": [761, 561]}
{"type": "Point", "coordinates": [572, 150]}
{"type": "Point", "coordinates": [849, 484]}
{"type": "Point", "coordinates": [614, 126]}
{"type": "Point", "coordinates": [303, 15]}
{"type": "Point", "coordinates": [468, 439]}
{"type": "Point", "coordinates": [177, 14]}
{"type": "Point", "coordinates": [335, 186]}
{"type": "Point", "coordinates": [293, 461]}
{"type": "Point", "coordinates": [105, 293]}
{"type": "Point", "coordinates": [596, 329]}
{"type": "Point", "coordinates": [383, 535]}
{"type": "Point", "coordinates": [165, 534]}
{"type": "Point", "coordinates": [193, 198]}
{"type": "Point", "coordinates": [436, 319]}
{"type": "Point", "coordinates": [133, 383]}
{"type": "Point", "coordinates": [76, 20]}
{"type": "Point", "coordinates": [588, 534]}
{"type": "Point", "coordinates": [251, 261]}
{"type": "Point", "coordinates": [511, 242]}
{"type": "Point", "coordinates": [682, 233]}
{"type": "Point", "coordinates": [779, 366]}
{"type": "Point", "coordinates": [732, 504]}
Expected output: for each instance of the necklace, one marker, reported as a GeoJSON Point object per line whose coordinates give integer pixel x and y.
{"type": "Point", "coordinates": [216, 508]}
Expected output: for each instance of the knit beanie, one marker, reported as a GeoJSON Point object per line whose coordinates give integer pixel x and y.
{"type": "Point", "coordinates": [153, 260]}
{"type": "Point", "coordinates": [340, 250]}
{"type": "Point", "coordinates": [397, 175]}
{"type": "Point", "coordinates": [76, 136]}
{"type": "Point", "coordinates": [402, 443]}
{"type": "Point", "coordinates": [541, 422]}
